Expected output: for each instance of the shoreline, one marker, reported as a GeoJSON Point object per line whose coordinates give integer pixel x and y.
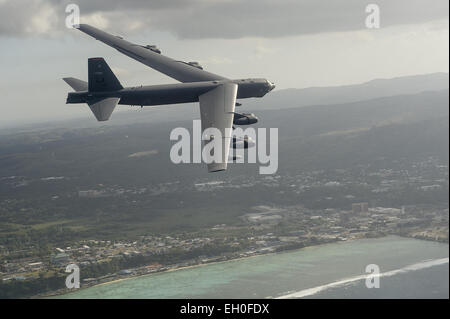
{"type": "Point", "coordinates": [54, 294]}
{"type": "Point", "coordinates": [171, 269]}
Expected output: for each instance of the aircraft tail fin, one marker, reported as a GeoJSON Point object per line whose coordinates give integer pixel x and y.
{"type": "Point", "coordinates": [100, 80]}
{"type": "Point", "coordinates": [100, 76]}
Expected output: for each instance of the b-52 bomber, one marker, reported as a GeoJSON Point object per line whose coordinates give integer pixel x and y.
{"type": "Point", "coordinates": [216, 94]}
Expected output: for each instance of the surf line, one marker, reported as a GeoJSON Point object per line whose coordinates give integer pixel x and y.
{"type": "Point", "coordinates": [315, 290]}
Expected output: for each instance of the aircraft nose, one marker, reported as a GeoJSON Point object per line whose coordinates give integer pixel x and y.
{"type": "Point", "coordinates": [271, 85]}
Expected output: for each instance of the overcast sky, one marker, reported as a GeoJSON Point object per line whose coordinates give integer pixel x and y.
{"type": "Point", "coordinates": [294, 43]}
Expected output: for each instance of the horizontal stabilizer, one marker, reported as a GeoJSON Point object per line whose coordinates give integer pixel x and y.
{"type": "Point", "coordinates": [76, 84]}
{"type": "Point", "coordinates": [103, 109]}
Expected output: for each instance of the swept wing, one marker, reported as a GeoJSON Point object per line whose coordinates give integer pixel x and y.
{"type": "Point", "coordinates": [178, 70]}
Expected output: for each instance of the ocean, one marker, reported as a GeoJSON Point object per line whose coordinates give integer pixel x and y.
{"type": "Point", "coordinates": [409, 268]}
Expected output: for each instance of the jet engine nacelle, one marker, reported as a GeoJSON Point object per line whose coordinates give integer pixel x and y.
{"type": "Point", "coordinates": [244, 119]}
{"type": "Point", "coordinates": [153, 48]}
{"type": "Point", "coordinates": [195, 65]}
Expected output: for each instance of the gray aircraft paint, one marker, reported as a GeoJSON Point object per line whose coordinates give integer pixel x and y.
{"type": "Point", "coordinates": [217, 95]}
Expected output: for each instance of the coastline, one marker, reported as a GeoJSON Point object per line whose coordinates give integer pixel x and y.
{"type": "Point", "coordinates": [171, 269]}
{"type": "Point", "coordinates": [65, 291]}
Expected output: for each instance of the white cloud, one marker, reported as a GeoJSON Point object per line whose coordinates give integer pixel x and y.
{"type": "Point", "coordinates": [220, 19]}
{"type": "Point", "coordinates": [98, 19]}
{"type": "Point", "coordinates": [42, 20]}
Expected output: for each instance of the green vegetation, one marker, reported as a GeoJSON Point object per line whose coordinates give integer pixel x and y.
{"type": "Point", "coordinates": [64, 186]}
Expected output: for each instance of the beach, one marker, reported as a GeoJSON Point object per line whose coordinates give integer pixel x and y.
{"type": "Point", "coordinates": [283, 274]}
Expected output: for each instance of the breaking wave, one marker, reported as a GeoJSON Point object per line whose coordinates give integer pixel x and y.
{"type": "Point", "coordinates": [343, 282]}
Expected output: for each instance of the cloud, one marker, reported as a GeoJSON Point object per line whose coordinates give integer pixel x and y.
{"type": "Point", "coordinates": [215, 60]}
{"type": "Point", "coordinates": [25, 18]}
{"type": "Point", "coordinates": [216, 18]}
{"type": "Point", "coordinates": [261, 50]}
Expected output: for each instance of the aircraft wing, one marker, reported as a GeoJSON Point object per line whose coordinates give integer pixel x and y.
{"type": "Point", "coordinates": [217, 111]}
{"type": "Point", "coordinates": [178, 70]}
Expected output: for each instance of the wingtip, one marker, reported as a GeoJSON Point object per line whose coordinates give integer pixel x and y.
{"type": "Point", "coordinates": [81, 25]}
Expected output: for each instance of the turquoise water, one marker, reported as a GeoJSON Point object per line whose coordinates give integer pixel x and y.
{"type": "Point", "coordinates": [281, 274]}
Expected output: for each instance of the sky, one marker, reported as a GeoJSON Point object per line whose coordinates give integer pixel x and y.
{"type": "Point", "coordinates": [294, 43]}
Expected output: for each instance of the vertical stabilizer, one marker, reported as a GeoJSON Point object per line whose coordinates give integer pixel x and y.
{"type": "Point", "coordinates": [100, 76]}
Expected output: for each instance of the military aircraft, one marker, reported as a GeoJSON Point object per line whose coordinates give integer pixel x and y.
{"type": "Point", "coordinates": [217, 95]}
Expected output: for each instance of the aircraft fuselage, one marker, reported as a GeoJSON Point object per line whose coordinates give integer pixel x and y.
{"type": "Point", "coordinates": [172, 93]}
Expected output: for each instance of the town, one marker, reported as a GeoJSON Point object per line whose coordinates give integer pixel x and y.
{"type": "Point", "coordinates": [315, 207]}
{"type": "Point", "coordinates": [268, 230]}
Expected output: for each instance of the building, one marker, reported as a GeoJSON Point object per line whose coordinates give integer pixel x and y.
{"type": "Point", "coordinates": [360, 207]}
{"type": "Point", "coordinates": [60, 259]}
